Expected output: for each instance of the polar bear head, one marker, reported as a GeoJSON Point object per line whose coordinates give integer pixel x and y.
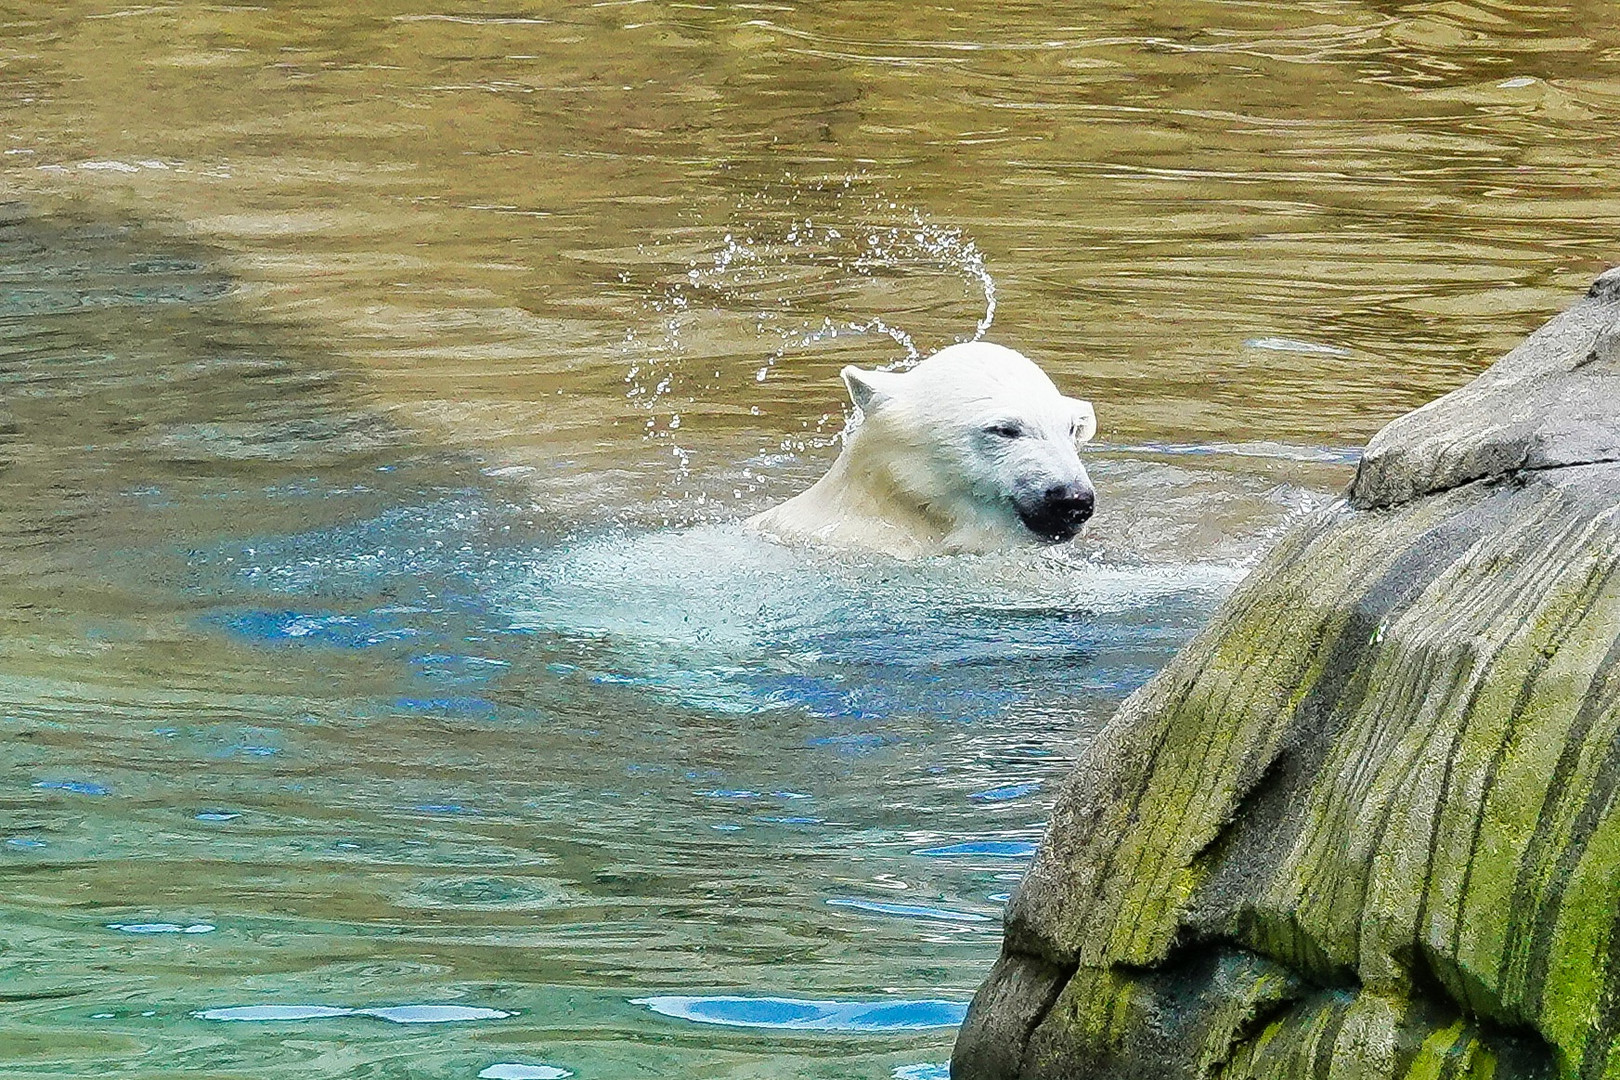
{"type": "Point", "coordinates": [978, 437]}
{"type": "Point", "coordinates": [973, 449]}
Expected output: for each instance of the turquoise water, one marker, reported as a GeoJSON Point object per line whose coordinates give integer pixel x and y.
{"type": "Point", "coordinates": [329, 753]}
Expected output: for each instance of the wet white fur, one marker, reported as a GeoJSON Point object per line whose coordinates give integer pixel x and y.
{"type": "Point", "coordinates": [919, 474]}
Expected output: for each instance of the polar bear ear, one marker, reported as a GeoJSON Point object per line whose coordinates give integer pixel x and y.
{"type": "Point", "coordinates": [1085, 420]}
{"type": "Point", "coordinates": [864, 388]}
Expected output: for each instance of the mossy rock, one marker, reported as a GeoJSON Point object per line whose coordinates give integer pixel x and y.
{"type": "Point", "coordinates": [1365, 825]}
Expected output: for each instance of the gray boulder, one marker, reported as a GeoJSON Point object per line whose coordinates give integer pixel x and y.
{"type": "Point", "coordinates": [1365, 825]}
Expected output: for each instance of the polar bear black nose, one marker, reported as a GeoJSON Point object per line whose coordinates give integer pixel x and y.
{"type": "Point", "coordinates": [1059, 512]}
{"type": "Point", "coordinates": [1071, 503]}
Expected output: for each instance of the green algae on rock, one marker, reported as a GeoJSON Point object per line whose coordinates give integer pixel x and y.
{"type": "Point", "coordinates": [1365, 825]}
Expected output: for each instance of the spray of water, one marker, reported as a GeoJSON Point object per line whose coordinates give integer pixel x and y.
{"type": "Point", "coordinates": [768, 275]}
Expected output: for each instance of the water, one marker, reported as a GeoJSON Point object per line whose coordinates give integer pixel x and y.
{"type": "Point", "coordinates": [385, 685]}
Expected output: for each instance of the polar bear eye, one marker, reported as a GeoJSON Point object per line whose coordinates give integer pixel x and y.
{"type": "Point", "coordinates": [1005, 429]}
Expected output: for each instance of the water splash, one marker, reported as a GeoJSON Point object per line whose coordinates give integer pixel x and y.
{"type": "Point", "coordinates": [717, 618]}
{"type": "Point", "coordinates": [775, 279]}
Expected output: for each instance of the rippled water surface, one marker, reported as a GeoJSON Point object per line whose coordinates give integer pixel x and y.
{"type": "Point", "coordinates": [386, 687]}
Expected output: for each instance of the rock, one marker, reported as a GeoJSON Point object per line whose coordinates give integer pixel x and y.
{"type": "Point", "coordinates": [1548, 403]}
{"type": "Point", "coordinates": [1367, 824]}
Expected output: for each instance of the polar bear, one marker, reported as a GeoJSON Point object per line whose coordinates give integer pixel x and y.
{"type": "Point", "coordinates": [972, 450]}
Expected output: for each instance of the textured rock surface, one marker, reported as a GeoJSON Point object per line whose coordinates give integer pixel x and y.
{"type": "Point", "coordinates": [1548, 403]}
{"type": "Point", "coordinates": [1366, 824]}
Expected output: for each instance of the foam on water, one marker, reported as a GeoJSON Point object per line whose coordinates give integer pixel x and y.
{"type": "Point", "coordinates": [720, 618]}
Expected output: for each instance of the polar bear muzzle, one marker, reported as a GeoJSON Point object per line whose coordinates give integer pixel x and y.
{"type": "Point", "coordinates": [1059, 511]}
